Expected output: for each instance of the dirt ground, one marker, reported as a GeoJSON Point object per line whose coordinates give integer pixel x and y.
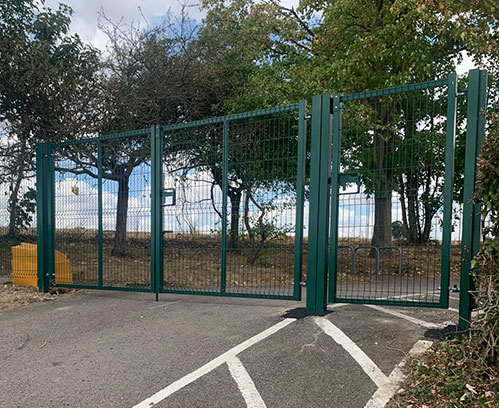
{"type": "Point", "coordinates": [194, 261]}
{"type": "Point", "coordinates": [14, 296]}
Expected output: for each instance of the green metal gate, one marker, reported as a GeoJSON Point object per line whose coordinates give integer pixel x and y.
{"type": "Point", "coordinates": [217, 206]}
{"type": "Point", "coordinates": [381, 199]}
{"type": "Point", "coordinates": [213, 207]}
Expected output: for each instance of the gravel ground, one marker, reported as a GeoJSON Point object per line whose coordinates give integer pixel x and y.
{"type": "Point", "coordinates": [14, 296]}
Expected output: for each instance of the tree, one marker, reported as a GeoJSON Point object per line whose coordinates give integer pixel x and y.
{"type": "Point", "coordinates": [355, 45]}
{"type": "Point", "coordinates": [149, 76]}
{"type": "Point", "coordinates": [44, 76]}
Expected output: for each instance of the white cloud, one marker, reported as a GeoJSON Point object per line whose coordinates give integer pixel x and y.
{"type": "Point", "coordinates": [85, 14]}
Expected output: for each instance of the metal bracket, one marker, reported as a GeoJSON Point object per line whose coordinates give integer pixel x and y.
{"type": "Point", "coordinates": [347, 178]}
{"type": "Point", "coordinates": [167, 193]}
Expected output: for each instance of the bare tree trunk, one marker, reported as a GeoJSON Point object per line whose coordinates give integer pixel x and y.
{"type": "Point", "coordinates": [403, 206]}
{"type": "Point", "coordinates": [255, 247]}
{"type": "Point", "coordinates": [382, 233]}
{"type": "Point", "coordinates": [119, 245]}
{"type": "Point", "coordinates": [412, 209]}
{"type": "Point", "coordinates": [235, 207]}
{"type": "Point", "coordinates": [13, 202]}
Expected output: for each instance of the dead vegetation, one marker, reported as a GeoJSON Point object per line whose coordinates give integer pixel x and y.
{"type": "Point", "coordinates": [13, 296]}
{"type": "Point", "coordinates": [194, 261]}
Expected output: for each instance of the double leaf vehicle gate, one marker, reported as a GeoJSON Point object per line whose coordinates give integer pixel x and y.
{"type": "Point", "coordinates": [218, 206]}
{"type": "Point", "coordinates": [212, 207]}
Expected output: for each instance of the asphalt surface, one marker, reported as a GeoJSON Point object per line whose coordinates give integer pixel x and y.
{"type": "Point", "coordinates": [110, 349]}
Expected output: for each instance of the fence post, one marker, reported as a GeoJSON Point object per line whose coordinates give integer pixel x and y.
{"type": "Point", "coordinates": [470, 243]}
{"type": "Point", "coordinates": [225, 187]}
{"type": "Point", "coordinates": [44, 218]}
{"type": "Point", "coordinates": [300, 196]}
{"type": "Point", "coordinates": [335, 169]}
{"type": "Point", "coordinates": [320, 168]}
{"type": "Point", "coordinates": [450, 138]}
{"type": "Point", "coordinates": [156, 211]}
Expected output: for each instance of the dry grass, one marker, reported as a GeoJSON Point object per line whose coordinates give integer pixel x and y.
{"type": "Point", "coordinates": [13, 296]}
{"type": "Point", "coordinates": [195, 260]}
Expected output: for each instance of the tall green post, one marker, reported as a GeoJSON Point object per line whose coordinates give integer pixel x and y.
{"type": "Point", "coordinates": [335, 170]}
{"type": "Point", "coordinates": [156, 211]}
{"type": "Point", "coordinates": [300, 196]}
{"type": "Point", "coordinates": [320, 169]}
{"type": "Point", "coordinates": [450, 139]}
{"type": "Point", "coordinates": [225, 187]}
{"type": "Point", "coordinates": [470, 243]}
{"type": "Point", "coordinates": [45, 216]}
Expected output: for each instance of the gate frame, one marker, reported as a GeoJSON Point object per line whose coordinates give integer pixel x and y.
{"type": "Point", "coordinates": [325, 151]}
{"type": "Point", "coordinates": [45, 188]}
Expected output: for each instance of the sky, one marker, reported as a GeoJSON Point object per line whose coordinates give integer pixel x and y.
{"type": "Point", "coordinates": [86, 12]}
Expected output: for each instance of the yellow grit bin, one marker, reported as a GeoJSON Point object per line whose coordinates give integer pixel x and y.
{"type": "Point", "coordinates": [24, 262]}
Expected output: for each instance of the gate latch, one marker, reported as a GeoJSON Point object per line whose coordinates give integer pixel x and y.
{"type": "Point", "coordinates": [169, 193]}
{"type": "Point", "coordinates": [345, 179]}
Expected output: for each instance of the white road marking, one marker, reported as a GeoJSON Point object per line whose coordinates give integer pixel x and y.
{"type": "Point", "coordinates": [381, 397]}
{"type": "Point", "coordinates": [335, 305]}
{"type": "Point", "coordinates": [411, 319]}
{"type": "Point", "coordinates": [211, 365]}
{"type": "Point", "coordinates": [408, 295]}
{"type": "Point", "coordinates": [165, 304]}
{"type": "Point", "coordinates": [369, 367]}
{"type": "Point", "coordinates": [245, 384]}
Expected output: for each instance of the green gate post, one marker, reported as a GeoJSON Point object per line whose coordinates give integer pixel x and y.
{"type": "Point", "coordinates": [300, 196]}
{"type": "Point", "coordinates": [450, 139]}
{"type": "Point", "coordinates": [320, 168]}
{"type": "Point", "coordinates": [470, 243]}
{"type": "Point", "coordinates": [225, 187]}
{"type": "Point", "coordinates": [333, 234]}
{"type": "Point", "coordinates": [100, 232]}
{"type": "Point", "coordinates": [45, 216]}
{"type": "Point", "coordinates": [156, 211]}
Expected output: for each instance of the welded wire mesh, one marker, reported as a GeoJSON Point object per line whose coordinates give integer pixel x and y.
{"type": "Point", "coordinates": [126, 212]}
{"type": "Point", "coordinates": [243, 244]}
{"type": "Point", "coordinates": [18, 233]}
{"type": "Point", "coordinates": [263, 156]}
{"type": "Point", "coordinates": [76, 210]}
{"type": "Point", "coordinates": [390, 221]}
{"type": "Point", "coordinates": [4, 225]}
{"type": "Point", "coordinates": [102, 211]}
{"type": "Point", "coordinates": [192, 225]}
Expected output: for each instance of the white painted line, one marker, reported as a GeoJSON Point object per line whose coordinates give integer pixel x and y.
{"type": "Point", "coordinates": [211, 365]}
{"type": "Point", "coordinates": [165, 304]}
{"type": "Point", "coordinates": [369, 367]}
{"type": "Point", "coordinates": [383, 395]}
{"type": "Point", "coordinates": [453, 309]}
{"type": "Point", "coordinates": [411, 319]}
{"type": "Point", "coordinates": [245, 384]}
{"type": "Point", "coordinates": [426, 294]}
{"type": "Point", "coordinates": [335, 305]}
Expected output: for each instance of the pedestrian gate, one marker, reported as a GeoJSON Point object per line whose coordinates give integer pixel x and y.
{"type": "Point", "coordinates": [218, 206]}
